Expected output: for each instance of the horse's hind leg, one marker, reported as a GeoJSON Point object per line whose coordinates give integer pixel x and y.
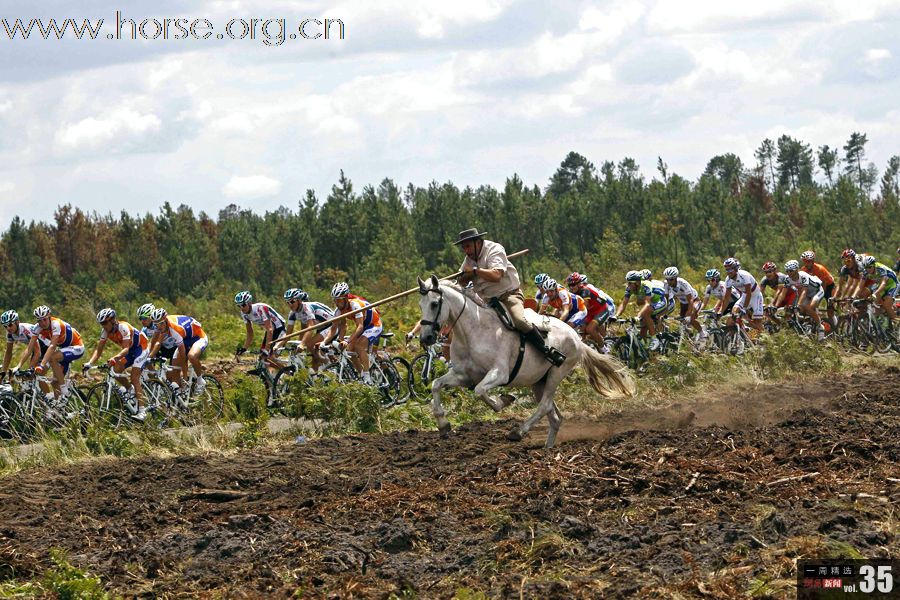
{"type": "Point", "coordinates": [493, 379]}
{"type": "Point", "coordinates": [546, 406]}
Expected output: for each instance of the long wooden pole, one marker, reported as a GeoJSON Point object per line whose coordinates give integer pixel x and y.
{"type": "Point", "coordinates": [379, 302]}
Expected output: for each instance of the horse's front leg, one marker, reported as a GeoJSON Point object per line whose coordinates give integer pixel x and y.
{"type": "Point", "coordinates": [494, 378]}
{"type": "Point", "coordinates": [451, 378]}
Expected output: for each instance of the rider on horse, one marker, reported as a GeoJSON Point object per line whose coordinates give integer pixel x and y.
{"type": "Point", "coordinates": [494, 277]}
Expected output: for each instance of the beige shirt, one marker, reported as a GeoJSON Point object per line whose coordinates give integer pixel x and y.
{"type": "Point", "coordinates": [493, 256]}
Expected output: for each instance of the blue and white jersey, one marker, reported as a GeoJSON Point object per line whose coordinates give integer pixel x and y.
{"type": "Point", "coordinates": [309, 312]}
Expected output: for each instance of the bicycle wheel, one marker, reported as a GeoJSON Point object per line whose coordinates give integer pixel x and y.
{"type": "Point", "coordinates": [206, 402]}
{"type": "Point", "coordinates": [341, 373]}
{"type": "Point", "coordinates": [159, 400]}
{"type": "Point", "coordinates": [878, 336]}
{"type": "Point", "coordinates": [106, 410]}
{"type": "Point", "coordinates": [405, 371]}
{"type": "Point", "coordinates": [386, 378]}
{"type": "Point", "coordinates": [422, 372]}
{"type": "Point", "coordinates": [25, 420]}
{"type": "Point", "coordinates": [8, 405]}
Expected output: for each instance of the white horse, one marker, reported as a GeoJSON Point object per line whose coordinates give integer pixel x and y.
{"type": "Point", "coordinates": [484, 354]}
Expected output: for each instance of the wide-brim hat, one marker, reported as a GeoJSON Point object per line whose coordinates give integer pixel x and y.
{"type": "Point", "coordinates": [469, 234]}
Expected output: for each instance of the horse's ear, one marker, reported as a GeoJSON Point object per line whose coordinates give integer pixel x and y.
{"type": "Point", "coordinates": [422, 289]}
{"type": "Point", "coordinates": [435, 283]}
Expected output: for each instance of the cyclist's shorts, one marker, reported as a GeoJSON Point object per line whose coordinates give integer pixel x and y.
{"type": "Point", "coordinates": [684, 306]}
{"type": "Point", "coordinates": [373, 334]}
{"type": "Point", "coordinates": [70, 354]}
{"type": "Point", "coordinates": [829, 291]}
{"type": "Point", "coordinates": [277, 333]}
{"type": "Point", "coordinates": [663, 307]}
{"type": "Point", "coordinates": [604, 315]}
{"type": "Point", "coordinates": [200, 342]}
{"type": "Point", "coordinates": [167, 353]}
{"type": "Point", "coordinates": [323, 332]}
{"type": "Point", "coordinates": [136, 357]}
{"type": "Point", "coordinates": [576, 319]}
{"type": "Point", "coordinates": [817, 297]}
{"type": "Point", "coordinates": [756, 304]}
{"type": "Point", "coordinates": [788, 299]}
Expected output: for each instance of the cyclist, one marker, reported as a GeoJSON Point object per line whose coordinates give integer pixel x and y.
{"type": "Point", "coordinates": [143, 315]}
{"type": "Point", "coordinates": [368, 327]}
{"type": "Point", "coordinates": [725, 297]}
{"type": "Point", "coordinates": [884, 287]}
{"type": "Point", "coordinates": [180, 339]}
{"type": "Point", "coordinates": [539, 279]}
{"type": "Point", "coordinates": [751, 300]}
{"type": "Point", "coordinates": [851, 277]}
{"type": "Point", "coordinates": [646, 274]}
{"type": "Point", "coordinates": [813, 268]}
{"type": "Point", "coordinates": [678, 288]}
{"type": "Point", "coordinates": [267, 318]}
{"type": "Point", "coordinates": [897, 264]}
{"type": "Point", "coordinates": [784, 293]}
{"type": "Point", "coordinates": [64, 346]}
{"type": "Point", "coordinates": [567, 307]}
{"type": "Point", "coordinates": [600, 307]}
{"type": "Point", "coordinates": [308, 313]}
{"type": "Point", "coordinates": [21, 333]}
{"type": "Point", "coordinates": [810, 292]}
{"type": "Point", "coordinates": [651, 295]}
{"type": "Point", "coordinates": [134, 353]}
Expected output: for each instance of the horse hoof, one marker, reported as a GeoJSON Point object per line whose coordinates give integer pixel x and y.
{"type": "Point", "coordinates": [444, 431]}
{"type": "Point", "coordinates": [507, 399]}
{"type": "Point", "coordinates": [514, 436]}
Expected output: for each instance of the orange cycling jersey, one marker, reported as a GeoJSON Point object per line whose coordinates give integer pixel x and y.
{"type": "Point", "coordinates": [370, 317]}
{"type": "Point", "coordinates": [563, 295]}
{"type": "Point", "coordinates": [58, 327]}
{"type": "Point", "coordinates": [819, 271]}
{"type": "Point", "coordinates": [125, 334]}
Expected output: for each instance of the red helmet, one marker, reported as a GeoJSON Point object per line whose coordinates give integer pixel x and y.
{"type": "Point", "coordinates": [769, 266]}
{"type": "Point", "coordinates": [848, 253]}
{"type": "Point", "coordinates": [574, 278]}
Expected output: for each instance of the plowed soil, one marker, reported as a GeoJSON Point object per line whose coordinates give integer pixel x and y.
{"type": "Point", "coordinates": [715, 499]}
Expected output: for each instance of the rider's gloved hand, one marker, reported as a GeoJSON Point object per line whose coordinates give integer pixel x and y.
{"type": "Point", "coordinates": [264, 352]}
{"type": "Point", "coordinates": [112, 362]}
{"type": "Point", "coordinates": [86, 367]}
{"type": "Point", "coordinates": [39, 370]}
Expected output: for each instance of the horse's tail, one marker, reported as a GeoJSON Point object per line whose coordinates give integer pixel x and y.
{"type": "Point", "coordinates": [606, 375]}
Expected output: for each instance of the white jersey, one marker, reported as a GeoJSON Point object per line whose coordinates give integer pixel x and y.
{"type": "Point", "coordinates": [23, 335]}
{"type": "Point", "coordinates": [261, 312]}
{"type": "Point", "coordinates": [718, 292]}
{"type": "Point", "coordinates": [309, 312]}
{"type": "Point", "coordinates": [780, 279]}
{"type": "Point", "coordinates": [682, 291]}
{"type": "Point", "coordinates": [804, 280]}
{"type": "Point", "coordinates": [741, 280]}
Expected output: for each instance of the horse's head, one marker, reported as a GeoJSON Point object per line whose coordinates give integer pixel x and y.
{"type": "Point", "coordinates": [432, 305]}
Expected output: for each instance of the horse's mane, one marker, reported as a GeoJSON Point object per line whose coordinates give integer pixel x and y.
{"type": "Point", "coordinates": [467, 292]}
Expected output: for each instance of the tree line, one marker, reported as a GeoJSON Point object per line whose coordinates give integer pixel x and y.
{"type": "Point", "coordinates": [608, 218]}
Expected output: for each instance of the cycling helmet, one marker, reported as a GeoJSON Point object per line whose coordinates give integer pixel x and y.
{"type": "Point", "coordinates": [159, 315]}
{"type": "Point", "coordinates": [671, 273]}
{"type": "Point", "coordinates": [898, 250]}
{"type": "Point", "coordinates": [8, 317]}
{"type": "Point", "coordinates": [868, 261]}
{"type": "Point", "coordinates": [42, 311]}
{"type": "Point", "coordinates": [646, 274]}
{"type": "Point", "coordinates": [792, 265]}
{"type": "Point", "coordinates": [340, 289]}
{"type": "Point", "coordinates": [713, 274]}
{"type": "Point", "coordinates": [851, 253]}
{"type": "Point", "coordinates": [540, 278]}
{"type": "Point", "coordinates": [583, 279]}
{"type": "Point", "coordinates": [808, 255]}
{"type": "Point", "coordinates": [632, 276]}
{"type": "Point", "coordinates": [574, 278]}
{"type": "Point", "coordinates": [144, 311]}
{"type": "Point", "coordinates": [296, 294]}
{"type": "Point", "coordinates": [243, 298]}
{"type": "Point", "coordinates": [731, 263]}
{"type": "Point", "coordinates": [769, 266]}
{"type": "Point", "coordinates": [105, 315]}
{"type": "Point", "coordinates": [549, 284]}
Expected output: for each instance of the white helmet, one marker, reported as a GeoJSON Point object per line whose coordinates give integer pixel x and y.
{"type": "Point", "coordinates": [549, 284]}
{"type": "Point", "coordinates": [868, 261]}
{"type": "Point", "coordinates": [792, 265]}
{"type": "Point", "coordinates": [646, 274]}
{"type": "Point", "coordinates": [808, 255]}
{"type": "Point", "coordinates": [105, 315]}
{"type": "Point", "coordinates": [731, 263]}
{"type": "Point", "coordinates": [8, 317]}
{"type": "Point", "coordinates": [340, 289]}
{"type": "Point", "coordinates": [145, 310]}
{"type": "Point", "coordinates": [632, 276]}
{"type": "Point", "coordinates": [158, 315]}
{"type": "Point", "coordinates": [671, 273]}
{"type": "Point", "coordinates": [42, 311]}
{"type": "Point", "coordinates": [244, 297]}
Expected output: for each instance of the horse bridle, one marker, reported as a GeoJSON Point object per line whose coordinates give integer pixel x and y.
{"type": "Point", "coordinates": [436, 324]}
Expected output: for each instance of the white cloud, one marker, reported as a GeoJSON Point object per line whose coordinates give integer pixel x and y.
{"type": "Point", "coordinates": [251, 187]}
{"type": "Point", "coordinates": [430, 18]}
{"type": "Point", "coordinates": [122, 126]}
{"type": "Point", "coordinates": [6, 187]}
{"type": "Point", "coordinates": [877, 54]}
{"type": "Point", "coordinates": [239, 123]}
{"type": "Point", "coordinates": [5, 106]}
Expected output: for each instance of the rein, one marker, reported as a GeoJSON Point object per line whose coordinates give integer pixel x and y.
{"type": "Point", "coordinates": [435, 323]}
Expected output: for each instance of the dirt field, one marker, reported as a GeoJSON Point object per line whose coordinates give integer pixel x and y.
{"type": "Point", "coordinates": [714, 499]}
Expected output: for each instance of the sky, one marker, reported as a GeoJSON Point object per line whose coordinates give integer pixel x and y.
{"type": "Point", "coordinates": [470, 91]}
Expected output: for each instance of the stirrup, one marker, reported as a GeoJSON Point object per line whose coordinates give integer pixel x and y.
{"type": "Point", "coordinates": [554, 356]}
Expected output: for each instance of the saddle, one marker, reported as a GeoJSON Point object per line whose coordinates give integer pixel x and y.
{"type": "Point", "coordinates": [541, 322]}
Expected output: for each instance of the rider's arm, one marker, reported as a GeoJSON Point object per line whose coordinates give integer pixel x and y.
{"type": "Point", "coordinates": [98, 352]}
{"type": "Point", "coordinates": [358, 317]}
{"type": "Point", "coordinates": [155, 343]}
{"type": "Point", "coordinates": [492, 275]}
{"type": "Point", "coordinates": [622, 306]}
{"type": "Point", "coordinates": [880, 289]}
{"type": "Point", "coordinates": [747, 291]}
{"type": "Point", "coordinates": [249, 339]}
{"type": "Point", "coordinates": [336, 330]}
{"type": "Point", "coordinates": [8, 356]}
{"type": "Point", "coordinates": [51, 350]}
{"type": "Point", "coordinates": [267, 327]}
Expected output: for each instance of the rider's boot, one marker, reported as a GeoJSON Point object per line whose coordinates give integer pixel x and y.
{"type": "Point", "coordinates": [551, 354]}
